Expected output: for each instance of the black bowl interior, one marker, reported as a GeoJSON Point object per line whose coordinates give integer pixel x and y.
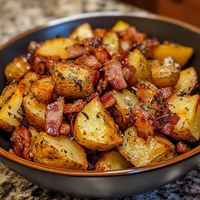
{"type": "Point", "coordinates": [153, 27]}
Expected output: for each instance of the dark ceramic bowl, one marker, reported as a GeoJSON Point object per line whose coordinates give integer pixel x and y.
{"type": "Point", "coordinates": [118, 183]}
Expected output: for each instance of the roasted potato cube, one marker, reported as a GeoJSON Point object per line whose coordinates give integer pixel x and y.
{"type": "Point", "coordinates": [7, 92]}
{"type": "Point", "coordinates": [9, 116]}
{"type": "Point", "coordinates": [112, 160]}
{"type": "Point", "coordinates": [164, 75]}
{"type": "Point", "coordinates": [111, 43]}
{"type": "Point", "coordinates": [188, 109]}
{"type": "Point", "coordinates": [187, 81]}
{"type": "Point", "coordinates": [28, 80]}
{"type": "Point", "coordinates": [81, 32]}
{"type": "Point", "coordinates": [142, 152]}
{"type": "Point", "coordinates": [120, 26]}
{"type": "Point", "coordinates": [35, 111]}
{"type": "Point", "coordinates": [73, 81]}
{"type": "Point", "coordinates": [58, 152]}
{"type": "Point", "coordinates": [143, 71]}
{"type": "Point", "coordinates": [55, 47]}
{"type": "Point", "coordinates": [95, 129]}
{"type": "Point", "coordinates": [126, 100]}
{"type": "Point", "coordinates": [42, 89]}
{"type": "Point", "coordinates": [181, 54]}
{"type": "Point", "coordinates": [16, 69]}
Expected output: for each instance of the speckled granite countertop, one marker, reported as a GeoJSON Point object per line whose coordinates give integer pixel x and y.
{"type": "Point", "coordinates": [18, 16]}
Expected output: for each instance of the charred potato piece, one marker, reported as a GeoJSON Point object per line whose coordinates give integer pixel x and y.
{"type": "Point", "coordinates": [55, 47]}
{"type": "Point", "coordinates": [111, 43]}
{"type": "Point", "coordinates": [187, 81]}
{"type": "Point", "coordinates": [143, 71]}
{"type": "Point", "coordinates": [7, 92]}
{"type": "Point", "coordinates": [112, 160]}
{"type": "Point", "coordinates": [35, 111]}
{"type": "Point", "coordinates": [188, 109]}
{"type": "Point", "coordinates": [73, 81]}
{"type": "Point", "coordinates": [142, 152]}
{"type": "Point", "coordinates": [95, 129]}
{"type": "Point", "coordinates": [126, 100]}
{"type": "Point", "coordinates": [16, 69]}
{"type": "Point", "coordinates": [58, 152]}
{"type": "Point", "coordinates": [9, 116]}
{"type": "Point", "coordinates": [164, 75]}
{"type": "Point", "coordinates": [120, 26]}
{"type": "Point", "coordinates": [42, 89]}
{"type": "Point", "coordinates": [181, 54]}
{"type": "Point", "coordinates": [82, 32]}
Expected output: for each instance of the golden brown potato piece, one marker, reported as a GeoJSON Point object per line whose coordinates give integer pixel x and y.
{"type": "Point", "coordinates": [35, 111]}
{"type": "Point", "coordinates": [95, 129]}
{"type": "Point", "coordinates": [81, 32]}
{"type": "Point", "coordinates": [58, 152]}
{"type": "Point", "coordinates": [9, 116]}
{"type": "Point", "coordinates": [143, 71]}
{"type": "Point", "coordinates": [188, 109]}
{"type": "Point", "coordinates": [42, 89]}
{"type": "Point", "coordinates": [73, 81]}
{"type": "Point", "coordinates": [188, 80]}
{"type": "Point", "coordinates": [7, 92]}
{"type": "Point", "coordinates": [120, 26]}
{"type": "Point", "coordinates": [126, 100]}
{"type": "Point", "coordinates": [112, 160]}
{"type": "Point", "coordinates": [181, 54]}
{"type": "Point", "coordinates": [28, 80]}
{"type": "Point", "coordinates": [164, 75]}
{"type": "Point", "coordinates": [17, 68]}
{"type": "Point", "coordinates": [111, 43]}
{"type": "Point", "coordinates": [142, 152]}
{"type": "Point", "coordinates": [55, 47]}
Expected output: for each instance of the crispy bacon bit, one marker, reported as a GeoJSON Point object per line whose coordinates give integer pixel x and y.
{"type": "Point", "coordinates": [100, 32]}
{"type": "Point", "coordinates": [72, 117]}
{"type": "Point", "coordinates": [95, 76]}
{"type": "Point", "coordinates": [125, 45]}
{"type": "Point", "coordinates": [102, 85]}
{"type": "Point", "coordinates": [92, 96]}
{"type": "Point", "coordinates": [128, 72]}
{"type": "Point", "coordinates": [77, 106]}
{"type": "Point", "coordinates": [92, 42]}
{"type": "Point", "coordinates": [108, 100]}
{"type": "Point", "coordinates": [165, 120]}
{"type": "Point", "coordinates": [21, 142]}
{"type": "Point", "coordinates": [65, 129]}
{"type": "Point", "coordinates": [182, 147]}
{"type": "Point", "coordinates": [101, 54]}
{"type": "Point", "coordinates": [164, 93]}
{"type": "Point", "coordinates": [113, 71]}
{"type": "Point", "coordinates": [38, 63]}
{"type": "Point", "coordinates": [151, 42]}
{"type": "Point", "coordinates": [89, 61]}
{"type": "Point", "coordinates": [143, 122]}
{"type": "Point", "coordinates": [54, 116]}
{"type": "Point", "coordinates": [76, 50]}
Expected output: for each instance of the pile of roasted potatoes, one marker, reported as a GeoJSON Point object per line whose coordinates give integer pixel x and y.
{"type": "Point", "coordinates": [101, 99]}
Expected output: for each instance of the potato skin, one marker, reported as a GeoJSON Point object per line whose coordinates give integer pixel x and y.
{"type": "Point", "coordinates": [73, 81]}
{"type": "Point", "coordinates": [17, 68]}
{"type": "Point", "coordinates": [142, 153]}
{"type": "Point", "coordinates": [164, 76]}
{"type": "Point", "coordinates": [112, 160]}
{"type": "Point", "coordinates": [58, 152]}
{"type": "Point", "coordinates": [42, 89]}
{"type": "Point", "coordinates": [35, 111]}
{"type": "Point", "coordinates": [101, 135]}
{"type": "Point", "coordinates": [188, 109]}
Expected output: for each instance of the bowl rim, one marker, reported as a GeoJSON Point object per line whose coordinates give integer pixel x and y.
{"type": "Point", "coordinates": [93, 173]}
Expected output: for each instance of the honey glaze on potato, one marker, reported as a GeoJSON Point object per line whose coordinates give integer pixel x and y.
{"type": "Point", "coordinates": [101, 99]}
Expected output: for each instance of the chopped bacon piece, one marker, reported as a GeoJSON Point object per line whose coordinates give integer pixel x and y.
{"type": "Point", "coordinates": [72, 117]}
{"type": "Point", "coordinates": [113, 71]}
{"type": "Point", "coordinates": [128, 72]}
{"type": "Point", "coordinates": [77, 106]}
{"type": "Point", "coordinates": [143, 122]}
{"type": "Point", "coordinates": [101, 54]}
{"type": "Point", "coordinates": [92, 96]}
{"type": "Point", "coordinates": [126, 45]}
{"type": "Point", "coordinates": [54, 116]}
{"type": "Point", "coordinates": [95, 76]}
{"type": "Point", "coordinates": [76, 50]}
{"type": "Point", "coordinates": [65, 129]}
{"type": "Point", "coordinates": [164, 93]}
{"type": "Point", "coordinates": [182, 147]}
{"type": "Point", "coordinates": [102, 85]}
{"type": "Point", "coordinates": [89, 61]}
{"type": "Point", "coordinates": [151, 42]}
{"type": "Point", "coordinates": [108, 100]}
{"type": "Point", "coordinates": [21, 142]}
{"type": "Point", "coordinates": [100, 32]}
{"type": "Point", "coordinates": [93, 42]}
